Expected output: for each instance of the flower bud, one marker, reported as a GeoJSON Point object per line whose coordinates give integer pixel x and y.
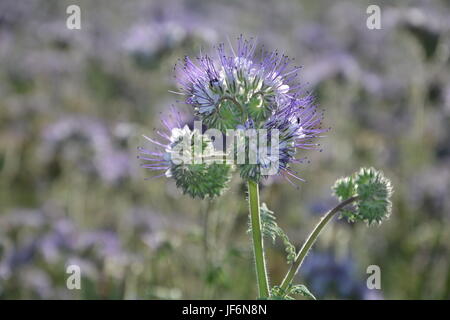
{"type": "Point", "coordinates": [373, 191]}
{"type": "Point", "coordinates": [191, 160]}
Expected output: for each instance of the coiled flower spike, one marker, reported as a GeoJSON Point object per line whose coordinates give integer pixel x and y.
{"type": "Point", "coordinates": [372, 191]}
{"type": "Point", "coordinates": [228, 90]}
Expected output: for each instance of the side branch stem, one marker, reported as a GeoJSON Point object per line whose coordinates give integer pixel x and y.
{"type": "Point", "coordinates": [310, 241]}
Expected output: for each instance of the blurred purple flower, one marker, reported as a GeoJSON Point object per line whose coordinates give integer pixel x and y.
{"type": "Point", "coordinates": [149, 39]}
{"type": "Point", "coordinates": [429, 188]}
{"type": "Point", "coordinates": [327, 275]}
{"type": "Point", "coordinates": [108, 161]}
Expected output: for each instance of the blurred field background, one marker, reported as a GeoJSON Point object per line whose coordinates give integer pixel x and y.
{"type": "Point", "coordinates": [74, 104]}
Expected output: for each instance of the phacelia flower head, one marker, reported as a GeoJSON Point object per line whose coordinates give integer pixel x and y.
{"type": "Point", "coordinates": [190, 159]}
{"type": "Point", "coordinates": [236, 85]}
{"type": "Point", "coordinates": [239, 89]}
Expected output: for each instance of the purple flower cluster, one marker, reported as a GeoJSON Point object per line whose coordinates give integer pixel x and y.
{"type": "Point", "coordinates": [158, 158]}
{"type": "Point", "coordinates": [298, 123]}
{"type": "Point", "coordinates": [186, 156]}
{"type": "Point", "coordinates": [270, 78]}
{"type": "Point", "coordinates": [252, 90]}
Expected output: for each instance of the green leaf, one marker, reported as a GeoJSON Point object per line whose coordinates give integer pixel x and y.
{"type": "Point", "coordinates": [302, 290]}
{"type": "Point", "coordinates": [271, 230]}
{"type": "Point", "coordinates": [276, 293]}
{"type": "Point", "coordinates": [269, 226]}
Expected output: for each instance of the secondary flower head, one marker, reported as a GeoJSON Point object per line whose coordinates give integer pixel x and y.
{"type": "Point", "coordinates": [373, 191]}
{"type": "Point", "coordinates": [189, 158]}
{"type": "Point", "coordinates": [298, 124]}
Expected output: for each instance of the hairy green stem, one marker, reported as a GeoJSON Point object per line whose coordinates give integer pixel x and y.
{"type": "Point", "coordinates": [255, 218]}
{"type": "Point", "coordinates": [310, 241]}
{"type": "Point", "coordinates": [208, 254]}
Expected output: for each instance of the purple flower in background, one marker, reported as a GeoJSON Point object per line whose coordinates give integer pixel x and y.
{"type": "Point", "coordinates": [151, 38]}
{"type": "Point", "coordinates": [89, 144]}
{"type": "Point", "coordinates": [333, 276]}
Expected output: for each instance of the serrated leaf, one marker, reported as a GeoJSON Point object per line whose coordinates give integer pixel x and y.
{"type": "Point", "coordinates": [302, 290]}
{"type": "Point", "coordinates": [276, 293]}
{"type": "Point", "coordinates": [271, 230]}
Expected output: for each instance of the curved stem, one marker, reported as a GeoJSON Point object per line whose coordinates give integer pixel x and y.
{"type": "Point", "coordinates": [310, 241]}
{"type": "Point", "coordinates": [257, 93]}
{"type": "Point", "coordinates": [232, 99]}
{"type": "Point", "coordinates": [255, 218]}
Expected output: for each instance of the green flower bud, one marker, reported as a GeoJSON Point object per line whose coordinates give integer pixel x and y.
{"type": "Point", "coordinates": [373, 191]}
{"type": "Point", "coordinates": [344, 188]}
{"type": "Point", "coordinates": [202, 180]}
{"type": "Point", "coordinates": [190, 159]}
{"type": "Point", "coordinates": [197, 174]}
